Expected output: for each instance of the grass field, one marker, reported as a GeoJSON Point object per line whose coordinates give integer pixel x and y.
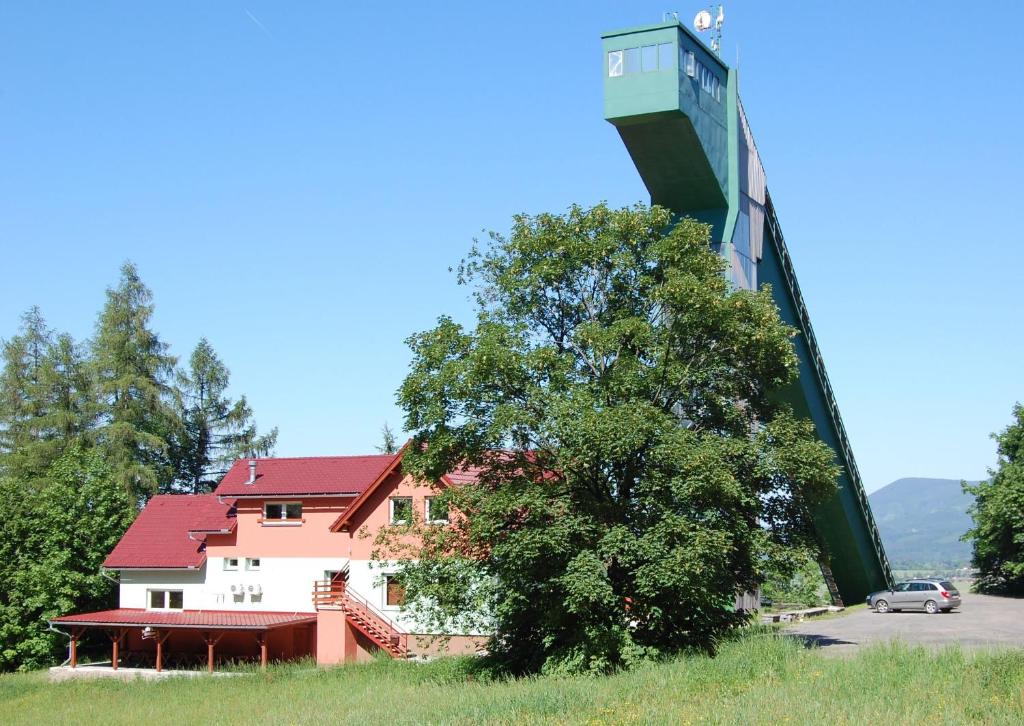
{"type": "Point", "coordinates": [759, 678]}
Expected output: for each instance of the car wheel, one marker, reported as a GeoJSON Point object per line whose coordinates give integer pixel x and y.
{"type": "Point", "coordinates": [931, 607]}
{"type": "Point", "coordinates": [881, 606]}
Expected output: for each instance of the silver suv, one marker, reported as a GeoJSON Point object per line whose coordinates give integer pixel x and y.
{"type": "Point", "coordinates": [929, 594]}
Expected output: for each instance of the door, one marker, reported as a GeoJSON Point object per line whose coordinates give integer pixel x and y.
{"type": "Point", "coordinates": [919, 593]}
{"type": "Point", "coordinates": [901, 596]}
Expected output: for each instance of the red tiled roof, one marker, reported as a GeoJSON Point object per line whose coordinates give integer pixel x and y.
{"type": "Point", "coordinates": [226, 619]}
{"type": "Point", "coordinates": [306, 475]}
{"type": "Point", "coordinates": [465, 475]}
{"type": "Point", "coordinates": [159, 536]}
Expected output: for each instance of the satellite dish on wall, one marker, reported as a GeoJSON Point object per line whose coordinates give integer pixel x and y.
{"type": "Point", "coordinates": [702, 21]}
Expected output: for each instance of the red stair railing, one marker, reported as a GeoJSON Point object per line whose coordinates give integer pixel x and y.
{"type": "Point", "coordinates": [362, 615]}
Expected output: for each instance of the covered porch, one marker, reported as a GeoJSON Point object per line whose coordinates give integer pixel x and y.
{"type": "Point", "coordinates": [190, 636]}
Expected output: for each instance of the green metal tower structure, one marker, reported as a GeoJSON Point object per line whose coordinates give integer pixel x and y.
{"type": "Point", "coordinates": [677, 108]}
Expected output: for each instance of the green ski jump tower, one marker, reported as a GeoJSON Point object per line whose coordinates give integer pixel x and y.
{"type": "Point", "coordinates": [676, 106]}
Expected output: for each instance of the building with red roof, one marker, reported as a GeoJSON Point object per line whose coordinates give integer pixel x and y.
{"type": "Point", "coordinates": [278, 558]}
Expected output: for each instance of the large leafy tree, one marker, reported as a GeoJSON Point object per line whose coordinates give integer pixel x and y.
{"type": "Point", "coordinates": [998, 514]}
{"type": "Point", "coordinates": [52, 543]}
{"type": "Point", "coordinates": [633, 471]}
{"type": "Point", "coordinates": [134, 373]}
{"type": "Point", "coordinates": [215, 429]}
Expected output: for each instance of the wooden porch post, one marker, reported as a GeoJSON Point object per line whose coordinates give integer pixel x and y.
{"type": "Point", "coordinates": [261, 638]}
{"type": "Point", "coordinates": [115, 640]}
{"type": "Point", "coordinates": [211, 640]}
{"type": "Point", "coordinates": [161, 638]}
{"type": "Point", "coordinates": [75, 635]}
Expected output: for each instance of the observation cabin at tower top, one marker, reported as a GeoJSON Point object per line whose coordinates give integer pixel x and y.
{"type": "Point", "coordinates": [669, 97]}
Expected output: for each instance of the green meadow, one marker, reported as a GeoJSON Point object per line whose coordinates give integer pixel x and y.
{"type": "Point", "coordinates": [761, 677]}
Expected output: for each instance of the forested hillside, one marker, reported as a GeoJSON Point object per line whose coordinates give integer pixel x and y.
{"type": "Point", "coordinates": [921, 522]}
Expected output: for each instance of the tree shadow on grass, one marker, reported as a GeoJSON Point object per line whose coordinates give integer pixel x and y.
{"type": "Point", "coordinates": [813, 640]}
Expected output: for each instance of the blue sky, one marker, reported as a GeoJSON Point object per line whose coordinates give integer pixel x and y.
{"type": "Point", "coordinates": [295, 180]}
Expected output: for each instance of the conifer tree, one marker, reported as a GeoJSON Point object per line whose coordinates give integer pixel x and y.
{"type": "Point", "coordinates": [215, 430]}
{"type": "Point", "coordinates": [69, 390]}
{"type": "Point", "coordinates": [21, 399]}
{"type": "Point", "coordinates": [133, 372]}
{"type": "Point", "coordinates": [388, 444]}
{"type": "Point", "coordinates": [46, 398]}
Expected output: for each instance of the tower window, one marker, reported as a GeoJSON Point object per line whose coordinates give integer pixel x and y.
{"type": "Point", "coordinates": [615, 64]}
{"type": "Point", "coordinates": [649, 58]}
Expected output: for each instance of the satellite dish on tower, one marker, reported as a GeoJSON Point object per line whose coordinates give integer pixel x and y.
{"type": "Point", "coordinates": [702, 21]}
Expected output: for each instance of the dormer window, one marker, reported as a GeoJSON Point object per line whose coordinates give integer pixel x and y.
{"type": "Point", "coordinates": [282, 513]}
{"type": "Point", "coordinates": [401, 510]}
{"type": "Point", "coordinates": [434, 512]}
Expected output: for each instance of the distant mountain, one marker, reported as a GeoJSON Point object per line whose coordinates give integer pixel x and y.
{"type": "Point", "coordinates": [921, 522]}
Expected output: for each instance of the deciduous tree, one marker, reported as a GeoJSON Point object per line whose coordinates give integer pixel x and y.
{"type": "Point", "coordinates": [52, 543]}
{"type": "Point", "coordinates": [634, 471]}
{"type": "Point", "coordinates": [998, 514]}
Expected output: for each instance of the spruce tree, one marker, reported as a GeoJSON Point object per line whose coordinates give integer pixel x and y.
{"type": "Point", "coordinates": [215, 430]}
{"type": "Point", "coordinates": [133, 372]}
{"type": "Point", "coordinates": [24, 440]}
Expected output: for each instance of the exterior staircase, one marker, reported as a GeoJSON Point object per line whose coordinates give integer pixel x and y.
{"type": "Point", "coordinates": [361, 615]}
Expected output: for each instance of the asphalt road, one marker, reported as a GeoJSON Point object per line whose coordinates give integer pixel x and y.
{"type": "Point", "coordinates": [981, 622]}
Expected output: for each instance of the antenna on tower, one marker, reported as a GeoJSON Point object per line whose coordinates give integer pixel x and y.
{"type": "Point", "coordinates": [702, 22]}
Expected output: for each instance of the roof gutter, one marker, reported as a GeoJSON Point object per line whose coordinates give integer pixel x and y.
{"type": "Point", "coordinates": [191, 626]}
{"type": "Point", "coordinates": [280, 495]}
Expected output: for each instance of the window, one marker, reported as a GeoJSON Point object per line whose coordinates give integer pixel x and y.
{"type": "Point", "coordinates": [230, 563]}
{"type": "Point", "coordinates": [394, 593]}
{"type": "Point", "coordinates": [434, 512]}
{"type": "Point", "coordinates": [252, 563]}
{"type": "Point", "coordinates": [166, 599]}
{"type": "Point", "coordinates": [649, 58]}
{"type": "Point", "coordinates": [688, 62]}
{"type": "Point", "coordinates": [615, 63]}
{"type": "Point", "coordinates": [666, 55]}
{"type": "Point", "coordinates": [282, 513]}
{"type": "Point", "coordinates": [902, 587]}
{"type": "Point", "coordinates": [631, 63]}
{"type": "Point", "coordinates": [401, 510]}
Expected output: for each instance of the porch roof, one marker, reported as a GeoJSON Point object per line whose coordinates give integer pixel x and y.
{"type": "Point", "coordinates": [194, 619]}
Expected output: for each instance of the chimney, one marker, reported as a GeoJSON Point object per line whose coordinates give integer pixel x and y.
{"type": "Point", "coordinates": [252, 472]}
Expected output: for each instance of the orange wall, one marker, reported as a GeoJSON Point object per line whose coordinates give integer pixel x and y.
{"type": "Point", "coordinates": [313, 538]}
{"type": "Point", "coordinates": [376, 512]}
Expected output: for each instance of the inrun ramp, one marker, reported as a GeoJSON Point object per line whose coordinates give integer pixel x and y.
{"type": "Point", "coordinates": [677, 108]}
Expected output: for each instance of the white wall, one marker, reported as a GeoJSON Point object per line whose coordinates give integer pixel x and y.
{"type": "Point", "coordinates": [136, 583]}
{"type": "Point", "coordinates": [287, 584]}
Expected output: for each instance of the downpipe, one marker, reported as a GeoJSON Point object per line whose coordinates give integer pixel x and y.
{"type": "Point", "coordinates": [49, 626]}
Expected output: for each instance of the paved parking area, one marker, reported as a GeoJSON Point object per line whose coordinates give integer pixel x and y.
{"type": "Point", "coordinates": [982, 621]}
